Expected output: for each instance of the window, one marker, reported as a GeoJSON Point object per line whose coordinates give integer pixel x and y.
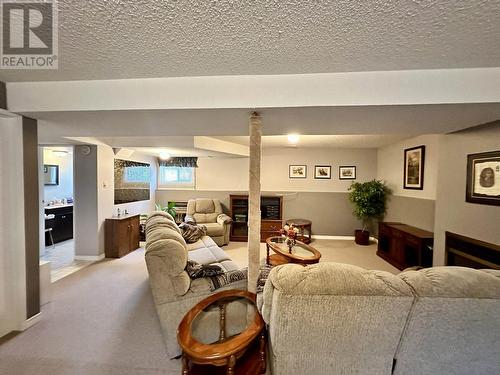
{"type": "Point", "coordinates": [176, 177]}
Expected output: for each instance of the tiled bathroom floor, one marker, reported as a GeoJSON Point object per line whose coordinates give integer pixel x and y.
{"type": "Point", "coordinates": [62, 260]}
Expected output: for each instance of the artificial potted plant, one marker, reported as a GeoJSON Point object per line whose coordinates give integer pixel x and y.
{"type": "Point", "coordinates": [369, 199]}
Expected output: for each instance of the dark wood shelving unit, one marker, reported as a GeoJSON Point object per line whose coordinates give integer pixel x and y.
{"type": "Point", "coordinates": [271, 220]}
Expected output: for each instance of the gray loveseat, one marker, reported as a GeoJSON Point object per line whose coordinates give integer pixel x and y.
{"type": "Point", "coordinates": [174, 293]}
{"type": "Point", "coordinates": [333, 318]}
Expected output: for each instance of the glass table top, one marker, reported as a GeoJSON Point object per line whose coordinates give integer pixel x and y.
{"type": "Point", "coordinates": [299, 249]}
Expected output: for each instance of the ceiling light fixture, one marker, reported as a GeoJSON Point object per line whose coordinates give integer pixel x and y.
{"type": "Point", "coordinates": [164, 155]}
{"type": "Point", "coordinates": [60, 153]}
{"type": "Point", "coordinates": [293, 138]}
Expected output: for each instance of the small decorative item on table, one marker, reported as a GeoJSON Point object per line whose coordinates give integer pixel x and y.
{"type": "Point", "coordinates": [289, 232]}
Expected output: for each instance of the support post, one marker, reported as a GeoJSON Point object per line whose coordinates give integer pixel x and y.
{"type": "Point", "coordinates": [255, 128]}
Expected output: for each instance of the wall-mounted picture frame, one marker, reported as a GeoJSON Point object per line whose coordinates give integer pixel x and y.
{"type": "Point", "coordinates": [297, 171]}
{"type": "Point", "coordinates": [483, 178]}
{"type": "Point", "coordinates": [322, 172]}
{"type": "Point", "coordinates": [347, 172]}
{"type": "Point", "coordinates": [414, 164]}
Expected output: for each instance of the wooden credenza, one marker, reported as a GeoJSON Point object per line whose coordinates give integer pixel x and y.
{"type": "Point", "coordinates": [405, 246]}
{"type": "Point", "coordinates": [122, 235]}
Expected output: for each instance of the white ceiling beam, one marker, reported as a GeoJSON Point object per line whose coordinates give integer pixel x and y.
{"type": "Point", "coordinates": [214, 144]}
{"type": "Point", "coordinates": [438, 86]}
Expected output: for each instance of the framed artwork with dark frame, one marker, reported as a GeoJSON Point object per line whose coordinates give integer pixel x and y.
{"type": "Point", "coordinates": [297, 171]}
{"type": "Point", "coordinates": [347, 172]}
{"type": "Point", "coordinates": [322, 172]}
{"type": "Point", "coordinates": [483, 178]}
{"type": "Point", "coordinates": [414, 168]}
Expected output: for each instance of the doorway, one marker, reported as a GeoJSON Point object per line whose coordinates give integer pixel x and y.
{"type": "Point", "coordinates": [57, 245]}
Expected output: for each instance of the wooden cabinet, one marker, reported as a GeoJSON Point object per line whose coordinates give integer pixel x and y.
{"type": "Point", "coordinates": [122, 235]}
{"type": "Point", "coordinates": [271, 208]}
{"type": "Point", "coordinates": [61, 224]}
{"type": "Point", "coordinates": [405, 246]}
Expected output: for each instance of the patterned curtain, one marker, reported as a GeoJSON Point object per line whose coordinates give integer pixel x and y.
{"type": "Point", "coordinates": [184, 162]}
{"type": "Point", "coordinates": [119, 163]}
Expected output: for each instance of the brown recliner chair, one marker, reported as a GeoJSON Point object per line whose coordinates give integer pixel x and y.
{"type": "Point", "coordinates": [208, 212]}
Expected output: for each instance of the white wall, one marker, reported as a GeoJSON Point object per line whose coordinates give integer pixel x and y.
{"type": "Point", "coordinates": [390, 166]}
{"type": "Point", "coordinates": [231, 174]}
{"type": "Point", "coordinates": [105, 189]}
{"type": "Point", "coordinates": [65, 163]}
{"type": "Point", "coordinates": [12, 244]}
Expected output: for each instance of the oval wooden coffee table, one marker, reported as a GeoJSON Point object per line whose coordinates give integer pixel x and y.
{"type": "Point", "coordinates": [248, 348]}
{"type": "Point", "coordinates": [301, 253]}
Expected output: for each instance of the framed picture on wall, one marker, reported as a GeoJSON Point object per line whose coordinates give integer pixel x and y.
{"type": "Point", "coordinates": [322, 172]}
{"type": "Point", "coordinates": [483, 178]}
{"type": "Point", "coordinates": [414, 168]}
{"type": "Point", "coordinates": [347, 172]}
{"type": "Point", "coordinates": [297, 171]}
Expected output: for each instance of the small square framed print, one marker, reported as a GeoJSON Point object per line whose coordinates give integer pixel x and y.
{"type": "Point", "coordinates": [323, 172]}
{"type": "Point", "coordinates": [483, 178]}
{"type": "Point", "coordinates": [297, 171]}
{"type": "Point", "coordinates": [347, 172]}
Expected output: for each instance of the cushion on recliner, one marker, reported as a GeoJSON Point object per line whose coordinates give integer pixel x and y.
{"type": "Point", "coordinates": [205, 206]}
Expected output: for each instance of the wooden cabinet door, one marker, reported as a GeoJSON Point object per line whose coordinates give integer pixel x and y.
{"type": "Point", "coordinates": [122, 236]}
{"type": "Point", "coordinates": [134, 233]}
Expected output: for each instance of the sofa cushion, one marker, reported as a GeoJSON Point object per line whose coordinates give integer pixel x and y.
{"type": "Point", "coordinates": [214, 229]}
{"type": "Point", "coordinates": [453, 282]}
{"type": "Point", "coordinates": [203, 242]}
{"type": "Point", "coordinates": [208, 255]}
{"type": "Point", "coordinates": [336, 279]}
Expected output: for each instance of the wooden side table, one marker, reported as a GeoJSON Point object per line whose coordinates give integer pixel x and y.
{"type": "Point", "coordinates": [304, 227]}
{"type": "Point", "coordinates": [244, 353]}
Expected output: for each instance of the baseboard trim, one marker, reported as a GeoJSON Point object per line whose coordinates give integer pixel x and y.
{"type": "Point", "coordinates": [31, 321]}
{"type": "Point", "coordinates": [94, 258]}
{"type": "Point", "coordinates": [347, 238]}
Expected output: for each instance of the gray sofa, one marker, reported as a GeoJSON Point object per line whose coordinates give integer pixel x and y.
{"type": "Point", "coordinates": [174, 293]}
{"type": "Point", "coordinates": [333, 318]}
{"type": "Point", "coordinates": [208, 212]}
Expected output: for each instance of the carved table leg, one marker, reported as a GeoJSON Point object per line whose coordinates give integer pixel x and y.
{"type": "Point", "coordinates": [231, 365]}
{"type": "Point", "coordinates": [185, 365]}
{"type": "Point", "coordinates": [262, 352]}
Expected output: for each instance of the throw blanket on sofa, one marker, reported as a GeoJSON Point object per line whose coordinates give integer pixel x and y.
{"type": "Point", "coordinates": [196, 270]}
{"type": "Point", "coordinates": [223, 279]}
{"type": "Point", "coordinates": [263, 275]}
{"type": "Point", "coordinates": [192, 233]}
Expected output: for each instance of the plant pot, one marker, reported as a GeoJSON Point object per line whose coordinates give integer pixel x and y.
{"type": "Point", "coordinates": [362, 237]}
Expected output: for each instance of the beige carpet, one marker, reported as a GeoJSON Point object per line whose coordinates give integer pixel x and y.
{"type": "Point", "coordinates": [341, 251]}
{"type": "Point", "coordinates": [102, 319]}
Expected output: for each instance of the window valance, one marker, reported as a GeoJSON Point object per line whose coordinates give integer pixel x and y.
{"type": "Point", "coordinates": [183, 162]}
{"type": "Point", "coordinates": [119, 163]}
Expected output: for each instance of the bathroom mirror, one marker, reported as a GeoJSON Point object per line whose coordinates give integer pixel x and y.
{"type": "Point", "coordinates": [50, 174]}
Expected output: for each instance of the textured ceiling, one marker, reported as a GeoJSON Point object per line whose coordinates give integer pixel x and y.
{"type": "Point", "coordinates": [104, 39]}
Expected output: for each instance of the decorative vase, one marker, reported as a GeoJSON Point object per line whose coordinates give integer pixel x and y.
{"type": "Point", "coordinates": [290, 242]}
